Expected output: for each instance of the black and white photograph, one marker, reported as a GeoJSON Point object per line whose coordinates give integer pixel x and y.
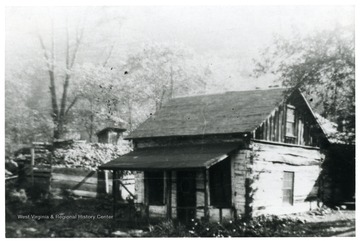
{"type": "Point", "coordinates": [160, 120]}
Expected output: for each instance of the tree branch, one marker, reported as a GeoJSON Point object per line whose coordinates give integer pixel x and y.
{"type": "Point", "coordinates": [69, 66]}
{"type": "Point", "coordinates": [71, 105]}
{"type": "Point", "coordinates": [109, 55]}
{"type": "Point", "coordinates": [51, 70]}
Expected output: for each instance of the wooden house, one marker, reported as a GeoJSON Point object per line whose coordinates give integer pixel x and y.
{"type": "Point", "coordinates": [222, 156]}
{"type": "Point", "coordinates": [111, 134]}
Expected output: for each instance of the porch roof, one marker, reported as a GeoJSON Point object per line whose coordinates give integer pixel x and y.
{"type": "Point", "coordinates": [172, 157]}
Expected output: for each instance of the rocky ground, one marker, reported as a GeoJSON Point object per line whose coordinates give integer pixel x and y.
{"type": "Point", "coordinates": [328, 222]}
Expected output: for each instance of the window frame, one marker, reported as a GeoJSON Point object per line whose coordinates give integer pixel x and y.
{"type": "Point", "coordinates": [290, 137]}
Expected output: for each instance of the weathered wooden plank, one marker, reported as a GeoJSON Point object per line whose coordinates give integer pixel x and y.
{"type": "Point", "coordinates": [74, 178]}
{"type": "Point", "coordinates": [240, 170]}
{"type": "Point", "coordinates": [139, 186]}
{"type": "Point", "coordinates": [268, 126]}
{"type": "Point", "coordinates": [272, 129]}
{"type": "Point", "coordinates": [213, 139]}
{"type": "Point", "coordinates": [283, 123]}
{"type": "Point", "coordinates": [168, 194]}
{"type": "Point", "coordinates": [200, 199]}
{"type": "Point", "coordinates": [301, 142]}
{"type": "Point", "coordinates": [312, 153]}
{"type": "Point", "coordinates": [265, 130]}
{"type": "Point", "coordinates": [157, 211]}
{"type": "Point", "coordinates": [81, 193]}
{"type": "Point", "coordinates": [39, 175]}
{"type": "Point", "coordinates": [67, 184]}
{"type": "Point", "coordinates": [206, 194]}
{"type": "Point", "coordinates": [106, 179]}
{"type": "Point", "coordinates": [173, 195]}
{"type": "Point", "coordinates": [73, 171]}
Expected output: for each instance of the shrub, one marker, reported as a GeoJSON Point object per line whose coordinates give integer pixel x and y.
{"type": "Point", "coordinates": [15, 196]}
{"type": "Point", "coordinates": [261, 226]}
{"type": "Point", "coordinates": [168, 228]}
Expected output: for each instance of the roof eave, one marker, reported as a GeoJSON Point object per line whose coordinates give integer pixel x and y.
{"type": "Point", "coordinates": [175, 136]}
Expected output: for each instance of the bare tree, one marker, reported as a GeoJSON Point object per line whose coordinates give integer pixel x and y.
{"type": "Point", "coordinates": [59, 115]}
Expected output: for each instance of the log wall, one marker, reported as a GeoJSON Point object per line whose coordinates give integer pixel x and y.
{"type": "Point", "coordinates": [239, 162]}
{"type": "Point", "coordinates": [269, 162]}
{"type": "Point", "coordinates": [262, 166]}
{"type": "Point", "coordinates": [179, 141]}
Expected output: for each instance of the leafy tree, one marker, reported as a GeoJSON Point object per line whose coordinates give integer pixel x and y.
{"type": "Point", "coordinates": [322, 65]}
{"type": "Point", "coordinates": [162, 72]}
{"type": "Point", "coordinates": [26, 117]}
{"type": "Point", "coordinates": [99, 96]}
{"type": "Point", "coordinates": [131, 92]}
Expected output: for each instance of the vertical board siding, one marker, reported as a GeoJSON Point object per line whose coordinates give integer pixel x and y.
{"type": "Point", "coordinates": [274, 127]}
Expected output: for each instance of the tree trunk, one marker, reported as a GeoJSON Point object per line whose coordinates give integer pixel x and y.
{"type": "Point", "coordinates": [59, 132]}
{"type": "Point", "coordinates": [130, 113]}
{"type": "Point", "coordinates": [59, 115]}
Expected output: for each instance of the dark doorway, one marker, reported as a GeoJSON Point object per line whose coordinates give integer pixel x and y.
{"type": "Point", "coordinates": [155, 187]}
{"type": "Point", "coordinates": [186, 196]}
{"type": "Point", "coordinates": [220, 184]}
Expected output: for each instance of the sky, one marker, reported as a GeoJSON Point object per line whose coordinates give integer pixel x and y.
{"type": "Point", "coordinates": [227, 37]}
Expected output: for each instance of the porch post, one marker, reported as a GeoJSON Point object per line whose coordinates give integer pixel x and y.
{"type": "Point", "coordinates": [206, 193]}
{"type": "Point", "coordinates": [146, 196]}
{"type": "Point", "coordinates": [168, 194]}
{"type": "Point", "coordinates": [115, 189]}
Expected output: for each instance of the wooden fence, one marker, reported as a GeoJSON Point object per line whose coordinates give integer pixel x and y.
{"type": "Point", "coordinates": [60, 181]}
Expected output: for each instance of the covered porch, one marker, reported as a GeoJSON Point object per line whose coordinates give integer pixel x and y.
{"type": "Point", "coordinates": [179, 182]}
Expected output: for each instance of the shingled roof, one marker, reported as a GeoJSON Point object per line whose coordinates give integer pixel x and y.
{"type": "Point", "coordinates": [230, 112]}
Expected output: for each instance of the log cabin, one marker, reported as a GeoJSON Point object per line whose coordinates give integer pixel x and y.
{"type": "Point", "coordinates": [223, 156]}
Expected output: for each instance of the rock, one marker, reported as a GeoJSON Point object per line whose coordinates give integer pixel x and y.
{"type": "Point", "coordinates": [30, 229]}
{"type": "Point", "coordinates": [85, 235]}
{"type": "Point", "coordinates": [120, 234]}
{"type": "Point", "coordinates": [89, 154]}
{"type": "Point", "coordinates": [136, 233]}
{"type": "Point", "coordinates": [343, 207]}
{"type": "Point", "coordinates": [301, 220]}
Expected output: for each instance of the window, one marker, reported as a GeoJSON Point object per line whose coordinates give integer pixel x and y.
{"type": "Point", "coordinates": [290, 125]}
{"type": "Point", "coordinates": [290, 121]}
{"type": "Point", "coordinates": [288, 188]}
{"type": "Point", "coordinates": [155, 187]}
{"type": "Point", "coordinates": [220, 184]}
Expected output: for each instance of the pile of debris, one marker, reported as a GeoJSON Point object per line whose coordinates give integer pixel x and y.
{"type": "Point", "coordinates": [75, 154]}
{"type": "Point", "coordinates": [88, 155]}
